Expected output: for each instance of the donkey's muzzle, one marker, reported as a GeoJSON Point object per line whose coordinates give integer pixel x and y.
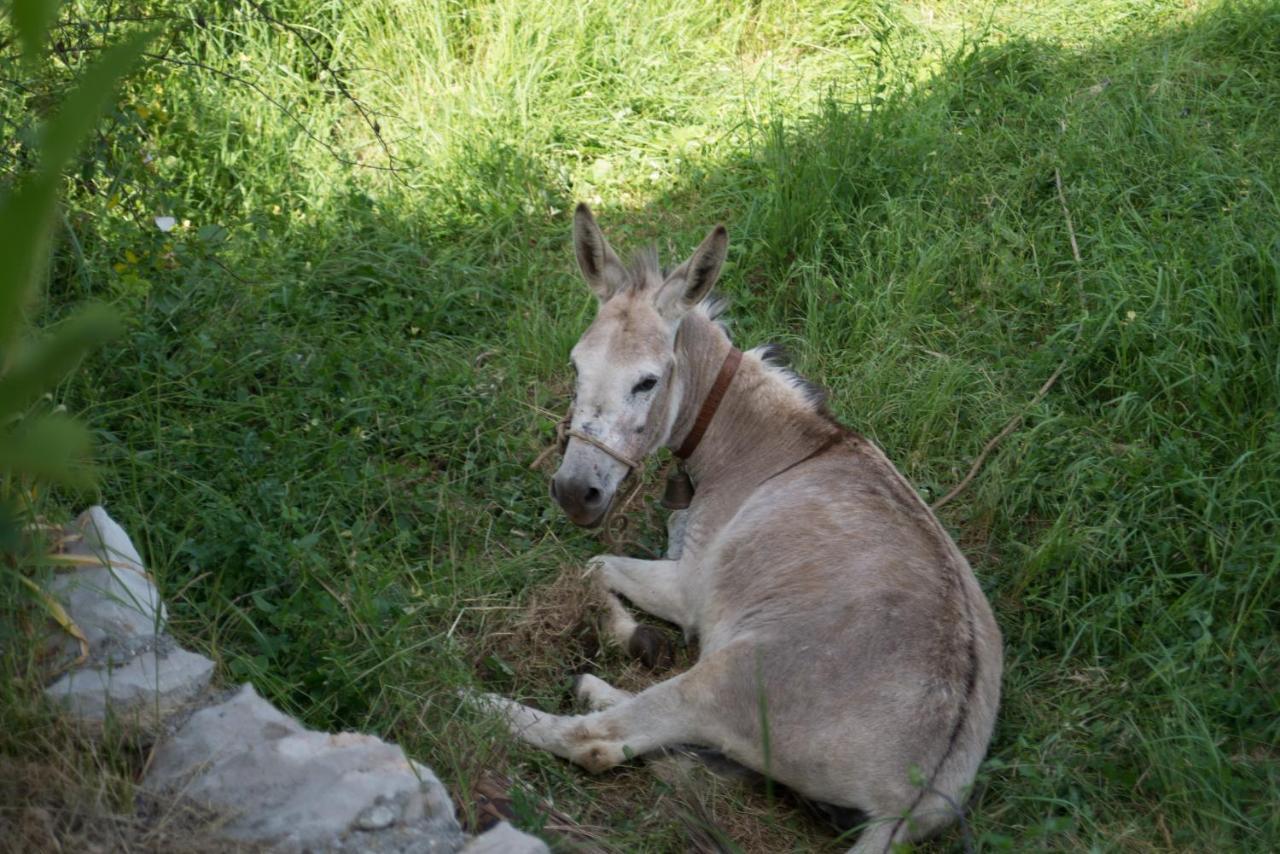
{"type": "Point", "coordinates": [582, 501]}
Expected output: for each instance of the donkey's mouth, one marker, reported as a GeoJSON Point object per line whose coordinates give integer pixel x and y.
{"type": "Point", "coordinates": [585, 507]}
{"type": "Point", "coordinates": [592, 522]}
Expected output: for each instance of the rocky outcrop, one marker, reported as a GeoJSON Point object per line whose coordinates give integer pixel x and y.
{"type": "Point", "coordinates": [272, 781]}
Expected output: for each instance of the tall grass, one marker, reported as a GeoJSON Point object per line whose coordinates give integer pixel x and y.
{"type": "Point", "coordinates": [336, 376]}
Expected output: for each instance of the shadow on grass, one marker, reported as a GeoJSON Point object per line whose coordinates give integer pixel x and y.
{"type": "Point", "coordinates": [322, 427]}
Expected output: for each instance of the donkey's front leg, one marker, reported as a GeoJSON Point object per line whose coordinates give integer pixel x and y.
{"type": "Point", "coordinates": [654, 586]}
{"type": "Point", "coordinates": [636, 725]}
{"type": "Point", "coordinates": [657, 592]}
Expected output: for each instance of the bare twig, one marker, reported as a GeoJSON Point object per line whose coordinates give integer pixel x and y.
{"type": "Point", "coordinates": [1048, 384]}
{"type": "Point", "coordinates": [995, 440]}
{"type": "Point", "coordinates": [244, 81]}
{"type": "Point", "coordinates": [368, 116]}
{"type": "Point", "coordinates": [1071, 229]}
{"type": "Point", "coordinates": [374, 127]}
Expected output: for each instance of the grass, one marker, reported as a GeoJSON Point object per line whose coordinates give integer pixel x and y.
{"type": "Point", "coordinates": [320, 422]}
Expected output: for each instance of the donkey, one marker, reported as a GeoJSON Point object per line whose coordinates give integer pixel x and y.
{"type": "Point", "coordinates": [846, 649]}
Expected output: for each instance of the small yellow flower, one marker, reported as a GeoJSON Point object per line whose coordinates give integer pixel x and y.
{"type": "Point", "coordinates": [1130, 316]}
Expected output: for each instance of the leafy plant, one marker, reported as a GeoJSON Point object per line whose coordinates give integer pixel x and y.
{"type": "Point", "coordinates": [39, 444]}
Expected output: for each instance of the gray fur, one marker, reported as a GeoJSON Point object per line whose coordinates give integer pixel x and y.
{"type": "Point", "coordinates": [847, 650]}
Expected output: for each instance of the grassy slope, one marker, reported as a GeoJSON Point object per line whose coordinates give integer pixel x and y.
{"type": "Point", "coordinates": [321, 422]}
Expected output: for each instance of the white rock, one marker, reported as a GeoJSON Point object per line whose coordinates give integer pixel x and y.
{"type": "Point", "coordinates": [502, 838]}
{"type": "Point", "coordinates": [279, 783]}
{"type": "Point", "coordinates": [143, 691]}
{"type": "Point", "coordinates": [112, 600]}
{"type": "Point", "coordinates": [376, 817]}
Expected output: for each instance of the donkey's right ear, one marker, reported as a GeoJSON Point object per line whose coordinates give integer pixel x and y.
{"type": "Point", "coordinates": [600, 266]}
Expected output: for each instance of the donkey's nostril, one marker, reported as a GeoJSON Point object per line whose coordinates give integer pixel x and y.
{"type": "Point", "coordinates": [591, 496]}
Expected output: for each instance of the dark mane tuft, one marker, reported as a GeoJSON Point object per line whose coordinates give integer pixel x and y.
{"type": "Point", "coordinates": [776, 356]}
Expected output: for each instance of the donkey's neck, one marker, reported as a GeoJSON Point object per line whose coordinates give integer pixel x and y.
{"type": "Point", "coordinates": [764, 422]}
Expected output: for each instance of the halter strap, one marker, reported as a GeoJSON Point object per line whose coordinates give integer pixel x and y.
{"type": "Point", "coordinates": [832, 440]}
{"type": "Point", "coordinates": [728, 369]}
{"type": "Point", "coordinates": [591, 440]}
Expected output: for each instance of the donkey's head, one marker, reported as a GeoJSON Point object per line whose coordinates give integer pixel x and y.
{"type": "Point", "coordinates": [629, 384]}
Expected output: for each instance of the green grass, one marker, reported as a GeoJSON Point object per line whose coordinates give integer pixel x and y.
{"type": "Point", "coordinates": [320, 422]}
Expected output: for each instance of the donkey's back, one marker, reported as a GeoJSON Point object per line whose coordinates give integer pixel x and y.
{"type": "Point", "coordinates": [864, 633]}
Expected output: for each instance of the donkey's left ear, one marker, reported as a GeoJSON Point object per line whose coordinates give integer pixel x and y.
{"type": "Point", "coordinates": [690, 283]}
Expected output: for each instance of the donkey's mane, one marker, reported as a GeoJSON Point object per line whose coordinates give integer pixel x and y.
{"type": "Point", "coordinates": [644, 271]}
{"type": "Point", "coordinates": [775, 360]}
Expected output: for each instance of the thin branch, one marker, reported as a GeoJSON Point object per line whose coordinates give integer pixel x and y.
{"type": "Point", "coordinates": [1048, 384]}
{"type": "Point", "coordinates": [370, 121]}
{"type": "Point", "coordinates": [1071, 229]}
{"type": "Point", "coordinates": [244, 81]}
{"type": "Point", "coordinates": [1008, 428]}
{"type": "Point", "coordinates": [368, 116]}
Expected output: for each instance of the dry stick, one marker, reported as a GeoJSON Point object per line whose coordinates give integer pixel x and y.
{"type": "Point", "coordinates": [369, 120]}
{"type": "Point", "coordinates": [1044, 389]}
{"type": "Point", "coordinates": [1071, 229]}
{"type": "Point", "coordinates": [1008, 428]}
{"type": "Point", "coordinates": [293, 117]}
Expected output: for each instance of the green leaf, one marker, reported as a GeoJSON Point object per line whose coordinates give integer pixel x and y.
{"type": "Point", "coordinates": [51, 448]}
{"type": "Point", "coordinates": [31, 18]}
{"type": "Point", "coordinates": [39, 367]}
{"type": "Point", "coordinates": [26, 212]}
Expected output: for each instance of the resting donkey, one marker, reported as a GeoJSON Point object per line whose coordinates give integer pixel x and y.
{"type": "Point", "coordinates": [847, 650]}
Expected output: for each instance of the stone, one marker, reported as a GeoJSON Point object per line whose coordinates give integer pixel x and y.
{"type": "Point", "coordinates": [141, 692]}
{"type": "Point", "coordinates": [278, 783]}
{"type": "Point", "coordinates": [112, 599]}
{"type": "Point", "coordinates": [376, 817]}
{"type": "Point", "coordinates": [502, 838]}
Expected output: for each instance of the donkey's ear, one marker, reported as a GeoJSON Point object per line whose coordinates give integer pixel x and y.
{"type": "Point", "coordinates": [600, 266]}
{"type": "Point", "coordinates": [690, 283]}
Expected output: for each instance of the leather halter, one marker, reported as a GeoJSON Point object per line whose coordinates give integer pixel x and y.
{"type": "Point", "coordinates": [728, 369]}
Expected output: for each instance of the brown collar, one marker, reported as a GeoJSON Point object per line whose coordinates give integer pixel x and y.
{"type": "Point", "coordinates": [712, 402]}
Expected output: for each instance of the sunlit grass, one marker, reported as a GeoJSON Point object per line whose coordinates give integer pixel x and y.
{"type": "Point", "coordinates": [321, 421]}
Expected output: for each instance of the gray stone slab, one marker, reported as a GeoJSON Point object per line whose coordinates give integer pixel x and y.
{"type": "Point", "coordinates": [112, 601]}
{"type": "Point", "coordinates": [279, 783]}
{"type": "Point", "coordinates": [142, 692]}
{"type": "Point", "coordinates": [502, 838]}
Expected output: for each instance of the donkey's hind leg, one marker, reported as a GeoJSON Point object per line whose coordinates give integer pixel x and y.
{"type": "Point", "coordinates": [654, 718]}
{"type": "Point", "coordinates": [598, 694]}
{"type": "Point", "coordinates": [880, 837]}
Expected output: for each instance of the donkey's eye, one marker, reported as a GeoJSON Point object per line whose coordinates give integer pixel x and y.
{"type": "Point", "coordinates": [644, 385]}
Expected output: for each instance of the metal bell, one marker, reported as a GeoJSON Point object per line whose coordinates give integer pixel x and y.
{"type": "Point", "coordinates": [679, 491]}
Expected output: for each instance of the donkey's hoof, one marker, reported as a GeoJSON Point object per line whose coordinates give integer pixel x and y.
{"type": "Point", "coordinates": [654, 649]}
